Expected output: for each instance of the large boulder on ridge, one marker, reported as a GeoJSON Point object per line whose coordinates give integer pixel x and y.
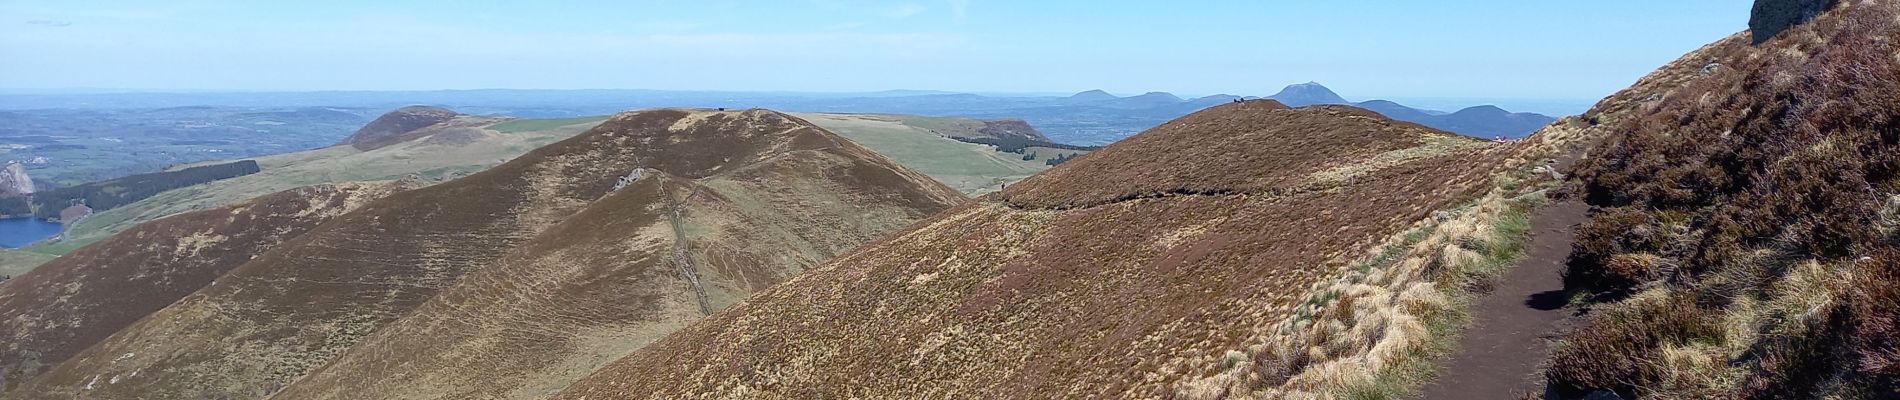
{"type": "Point", "coordinates": [1770, 17]}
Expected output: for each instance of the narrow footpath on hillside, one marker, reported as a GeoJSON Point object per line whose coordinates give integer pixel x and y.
{"type": "Point", "coordinates": [1501, 355]}
{"type": "Point", "coordinates": [677, 216]}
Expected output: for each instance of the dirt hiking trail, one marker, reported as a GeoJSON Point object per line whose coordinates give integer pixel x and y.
{"type": "Point", "coordinates": [1501, 354]}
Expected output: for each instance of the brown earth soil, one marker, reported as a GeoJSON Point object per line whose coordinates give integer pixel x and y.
{"type": "Point", "coordinates": [1501, 354]}
{"type": "Point", "coordinates": [1744, 242]}
{"type": "Point", "coordinates": [1505, 353]}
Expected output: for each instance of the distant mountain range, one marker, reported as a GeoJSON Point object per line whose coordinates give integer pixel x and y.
{"type": "Point", "coordinates": [1484, 121]}
{"type": "Point", "coordinates": [1306, 94]}
{"type": "Point", "coordinates": [1093, 117]}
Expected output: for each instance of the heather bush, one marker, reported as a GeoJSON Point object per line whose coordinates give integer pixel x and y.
{"type": "Point", "coordinates": [1875, 311]}
{"type": "Point", "coordinates": [1761, 193]}
{"type": "Point", "coordinates": [1610, 233]}
{"type": "Point", "coordinates": [1620, 348]}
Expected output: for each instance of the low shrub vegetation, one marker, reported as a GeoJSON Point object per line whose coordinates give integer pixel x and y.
{"type": "Point", "coordinates": [1376, 331]}
{"type": "Point", "coordinates": [1744, 241]}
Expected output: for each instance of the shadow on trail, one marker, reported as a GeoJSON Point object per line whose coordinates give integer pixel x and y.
{"type": "Point", "coordinates": [1549, 300]}
{"type": "Point", "coordinates": [1500, 355]}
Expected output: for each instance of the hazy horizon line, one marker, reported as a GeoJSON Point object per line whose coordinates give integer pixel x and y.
{"type": "Point", "coordinates": [8, 91]}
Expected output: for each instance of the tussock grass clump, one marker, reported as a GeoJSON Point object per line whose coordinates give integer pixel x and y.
{"type": "Point", "coordinates": [1624, 349]}
{"type": "Point", "coordinates": [1373, 332]}
{"type": "Point", "coordinates": [1615, 251]}
{"type": "Point", "coordinates": [1745, 224]}
{"type": "Point", "coordinates": [1876, 334]}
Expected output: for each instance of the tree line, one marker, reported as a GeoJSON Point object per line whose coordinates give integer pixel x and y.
{"type": "Point", "coordinates": [1018, 145]}
{"type": "Point", "coordinates": [109, 194]}
{"type": "Point", "coordinates": [1060, 158]}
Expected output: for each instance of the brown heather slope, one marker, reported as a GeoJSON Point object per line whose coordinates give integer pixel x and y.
{"type": "Point", "coordinates": [1130, 272]}
{"type": "Point", "coordinates": [1744, 244]}
{"type": "Point", "coordinates": [1504, 352]}
{"type": "Point", "coordinates": [1274, 153]}
{"type": "Point", "coordinates": [415, 122]}
{"type": "Point", "coordinates": [76, 300]}
{"type": "Point", "coordinates": [299, 305]}
{"type": "Point", "coordinates": [1011, 129]}
{"type": "Point", "coordinates": [603, 283]}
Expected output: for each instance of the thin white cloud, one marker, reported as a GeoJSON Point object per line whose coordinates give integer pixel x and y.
{"type": "Point", "coordinates": [905, 10]}
{"type": "Point", "coordinates": [50, 23]}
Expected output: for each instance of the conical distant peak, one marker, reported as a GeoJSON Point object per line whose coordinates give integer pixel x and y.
{"type": "Point", "coordinates": [1309, 93]}
{"type": "Point", "coordinates": [1093, 95]}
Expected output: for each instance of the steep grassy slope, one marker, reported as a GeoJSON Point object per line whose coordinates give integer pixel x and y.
{"type": "Point", "coordinates": [606, 282]}
{"type": "Point", "coordinates": [1744, 244]}
{"type": "Point", "coordinates": [106, 195]}
{"type": "Point", "coordinates": [16, 262]}
{"type": "Point", "coordinates": [965, 128]}
{"type": "Point", "coordinates": [303, 303]}
{"type": "Point", "coordinates": [925, 144]}
{"type": "Point", "coordinates": [531, 125]}
{"type": "Point", "coordinates": [463, 151]}
{"type": "Point", "coordinates": [76, 300]}
{"type": "Point", "coordinates": [1130, 272]}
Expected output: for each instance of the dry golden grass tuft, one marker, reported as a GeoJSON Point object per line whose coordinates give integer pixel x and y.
{"type": "Point", "coordinates": [1743, 214]}
{"type": "Point", "coordinates": [1406, 306]}
{"type": "Point", "coordinates": [1374, 331]}
{"type": "Point", "coordinates": [1363, 323]}
{"type": "Point", "coordinates": [1153, 280]}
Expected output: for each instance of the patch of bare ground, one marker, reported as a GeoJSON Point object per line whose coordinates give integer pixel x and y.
{"type": "Point", "coordinates": [1499, 355]}
{"type": "Point", "coordinates": [1743, 244]}
{"type": "Point", "coordinates": [1504, 352]}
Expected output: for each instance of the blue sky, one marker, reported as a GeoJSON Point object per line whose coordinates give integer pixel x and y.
{"type": "Point", "coordinates": [1403, 49]}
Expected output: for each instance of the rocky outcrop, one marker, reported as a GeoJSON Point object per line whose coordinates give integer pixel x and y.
{"type": "Point", "coordinates": [1770, 17]}
{"type": "Point", "coordinates": [13, 180]}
